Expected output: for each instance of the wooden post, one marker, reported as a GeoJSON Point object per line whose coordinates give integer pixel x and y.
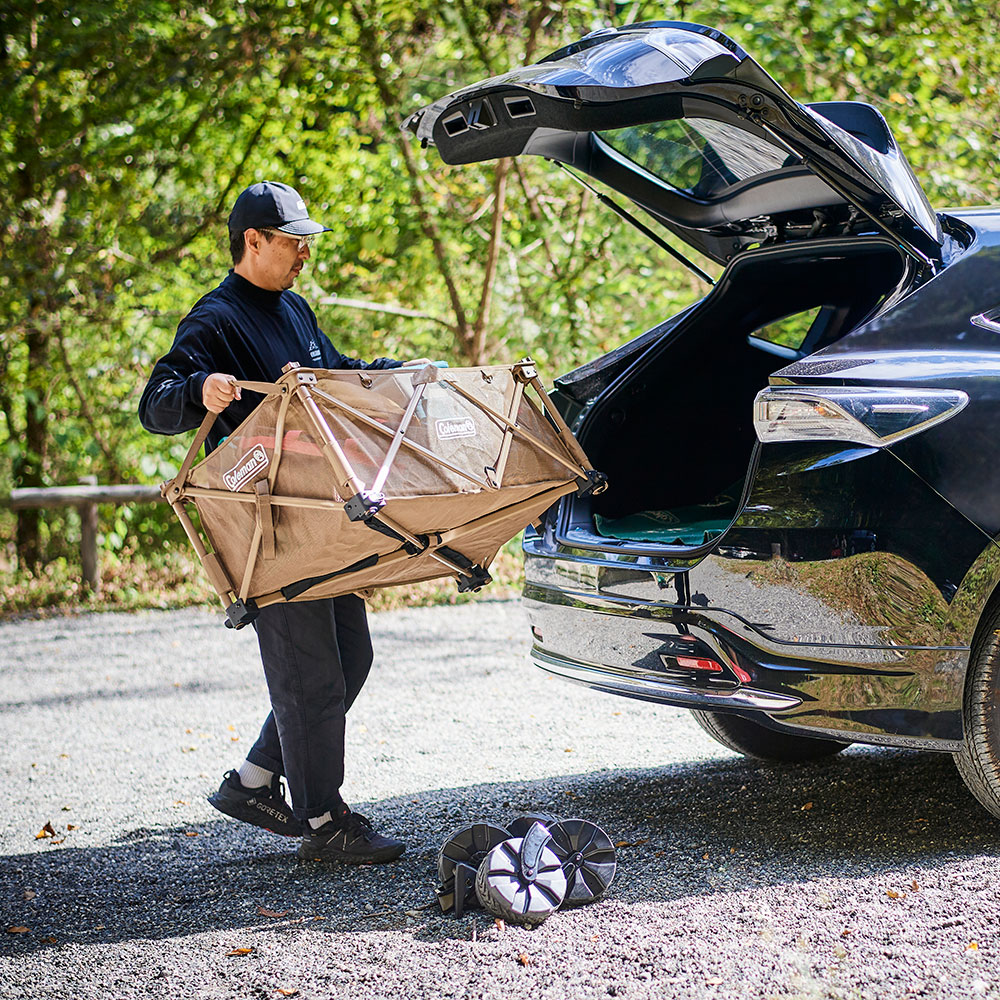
{"type": "Point", "coordinates": [89, 561]}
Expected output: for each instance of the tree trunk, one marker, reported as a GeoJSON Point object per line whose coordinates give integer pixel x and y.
{"type": "Point", "coordinates": [30, 464]}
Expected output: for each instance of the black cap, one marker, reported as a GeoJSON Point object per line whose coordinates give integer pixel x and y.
{"type": "Point", "coordinates": [272, 205]}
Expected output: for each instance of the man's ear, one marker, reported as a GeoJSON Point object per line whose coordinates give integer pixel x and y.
{"type": "Point", "coordinates": [251, 240]}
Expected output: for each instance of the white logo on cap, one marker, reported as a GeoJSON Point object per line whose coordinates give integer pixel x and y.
{"type": "Point", "coordinates": [300, 205]}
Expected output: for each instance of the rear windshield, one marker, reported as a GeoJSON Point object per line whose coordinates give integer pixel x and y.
{"type": "Point", "coordinates": [698, 156]}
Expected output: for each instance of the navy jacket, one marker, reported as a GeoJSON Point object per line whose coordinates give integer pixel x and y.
{"type": "Point", "coordinates": [242, 330]}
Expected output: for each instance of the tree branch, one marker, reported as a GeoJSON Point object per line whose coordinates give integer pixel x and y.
{"type": "Point", "coordinates": [85, 411]}
{"type": "Point", "coordinates": [492, 258]}
{"type": "Point", "coordinates": [369, 52]}
{"type": "Point", "coordinates": [384, 307]}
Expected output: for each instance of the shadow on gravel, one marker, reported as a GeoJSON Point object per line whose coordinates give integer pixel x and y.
{"type": "Point", "coordinates": [119, 694]}
{"type": "Point", "coordinates": [688, 830]}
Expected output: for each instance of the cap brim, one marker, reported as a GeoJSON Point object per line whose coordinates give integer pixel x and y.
{"type": "Point", "coordinates": [302, 227]}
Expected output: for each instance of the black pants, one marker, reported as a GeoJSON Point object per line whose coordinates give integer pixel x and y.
{"type": "Point", "coordinates": [316, 657]}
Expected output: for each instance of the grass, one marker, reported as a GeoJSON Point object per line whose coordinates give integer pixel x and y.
{"type": "Point", "coordinates": [174, 579]}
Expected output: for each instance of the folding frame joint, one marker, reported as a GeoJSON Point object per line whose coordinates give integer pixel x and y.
{"type": "Point", "coordinates": [414, 550]}
{"type": "Point", "coordinates": [364, 505]}
{"type": "Point", "coordinates": [475, 579]}
{"type": "Point", "coordinates": [241, 613]}
{"type": "Point", "coordinates": [425, 375]}
{"type": "Point", "coordinates": [525, 371]}
{"type": "Point", "coordinates": [591, 483]}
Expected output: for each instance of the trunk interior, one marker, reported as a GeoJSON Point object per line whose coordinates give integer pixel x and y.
{"type": "Point", "coordinates": [673, 431]}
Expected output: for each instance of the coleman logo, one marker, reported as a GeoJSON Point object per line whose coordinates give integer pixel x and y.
{"type": "Point", "coordinates": [246, 468]}
{"type": "Point", "coordinates": [464, 427]}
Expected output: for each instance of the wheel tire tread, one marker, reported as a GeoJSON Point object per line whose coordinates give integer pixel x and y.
{"type": "Point", "coordinates": [978, 762]}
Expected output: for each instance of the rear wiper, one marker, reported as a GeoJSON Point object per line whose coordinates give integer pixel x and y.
{"type": "Point", "coordinates": [644, 229]}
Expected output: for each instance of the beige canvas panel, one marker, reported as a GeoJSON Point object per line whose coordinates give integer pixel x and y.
{"type": "Point", "coordinates": [465, 460]}
{"type": "Point", "coordinates": [480, 543]}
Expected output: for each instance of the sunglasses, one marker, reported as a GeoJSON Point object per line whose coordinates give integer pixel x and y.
{"type": "Point", "coordinates": [303, 241]}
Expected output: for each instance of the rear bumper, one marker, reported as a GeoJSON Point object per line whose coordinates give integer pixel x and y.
{"type": "Point", "coordinates": [595, 632]}
{"type": "Point", "coordinates": [657, 689]}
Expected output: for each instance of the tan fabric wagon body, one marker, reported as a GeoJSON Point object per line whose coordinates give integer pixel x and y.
{"type": "Point", "coordinates": [347, 480]}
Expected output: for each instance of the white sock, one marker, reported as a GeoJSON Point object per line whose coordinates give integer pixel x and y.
{"type": "Point", "coordinates": [315, 822]}
{"type": "Point", "coordinates": [252, 776]}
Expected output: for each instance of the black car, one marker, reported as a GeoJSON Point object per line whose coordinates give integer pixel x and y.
{"type": "Point", "coordinates": [799, 538]}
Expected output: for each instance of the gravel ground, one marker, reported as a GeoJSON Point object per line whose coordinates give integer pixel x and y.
{"type": "Point", "coordinates": [873, 875]}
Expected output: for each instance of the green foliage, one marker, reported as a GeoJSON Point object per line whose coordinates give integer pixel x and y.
{"type": "Point", "coordinates": [128, 126]}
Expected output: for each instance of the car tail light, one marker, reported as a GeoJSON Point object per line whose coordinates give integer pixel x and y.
{"type": "Point", "coordinates": [876, 416]}
{"type": "Point", "coordinates": [698, 663]}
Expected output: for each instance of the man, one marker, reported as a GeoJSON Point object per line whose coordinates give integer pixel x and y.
{"type": "Point", "coordinates": [316, 654]}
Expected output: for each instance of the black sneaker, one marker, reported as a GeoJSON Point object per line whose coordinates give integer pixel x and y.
{"type": "Point", "coordinates": [264, 806]}
{"type": "Point", "coordinates": [351, 840]}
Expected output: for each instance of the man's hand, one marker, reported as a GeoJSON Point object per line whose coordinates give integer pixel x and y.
{"type": "Point", "coordinates": [218, 391]}
{"type": "Point", "coordinates": [417, 361]}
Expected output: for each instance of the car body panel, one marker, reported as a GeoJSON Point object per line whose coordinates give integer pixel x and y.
{"type": "Point", "coordinates": [873, 643]}
{"type": "Point", "coordinates": [846, 594]}
{"type": "Point", "coordinates": [761, 153]}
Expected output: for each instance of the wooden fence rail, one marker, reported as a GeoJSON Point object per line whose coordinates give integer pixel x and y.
{"type": "Point", "coordinates": [85, 498]}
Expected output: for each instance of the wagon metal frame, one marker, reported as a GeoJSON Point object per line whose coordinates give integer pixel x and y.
{"type": "Point", "coordinates": [244, 550]}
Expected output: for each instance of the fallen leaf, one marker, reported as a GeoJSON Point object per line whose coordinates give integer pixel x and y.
{"type": "Point", "coordinates": [500, 925]}
{"type": "Point", "coordinates": [524, 959]}
{"type": "Point", "coordinates": [232, 729]}
{"type": "Point", "coordinates": [30, 893]}
{"type": "Point", "coordinates": [568, 750]}
{"type": "Point", "coordinates": [64, 756]}
{"type": "Point", "coordinates": [623, 843]}
{"type": "Point", "coordinates": [49, 940]}
{"type": "Point", "coordinates": [916, 887]}
{"type": "Point", "coordinates": [61, 840]}
{"type": "Point", "coordinates": [71, 826]}
{"type": "Point", "coordinates": [190, 833]}
{"type": "Point", "coordinates": [845, 932]}
{"type": "Point", "coordinates": [18, 930]}
{"type": "Point", "coordinates": [287, 993]}
{"type": "Point", "coordinates": [894, 895]}
{"type": "Point", "coordinates": [732, 850]}
{"type": "Point", "coordinates": [272, 913]}
{"type": "Point", "coordinates": [972, 946]}
{"type": "Point", "coordinates": [239, 951]}
{"type": "Point", "coordinates": [318, 917]}
{"type": "Point", "coordinates": [46, 831]}
{"type": "Point", "coordinates": [595, 937]}
{"type": "Point", "coordinates": [704, 857]}
{"type": "Point", "coordinates": [99, 927]}
{"type": "Point", "coordinates": [180, 802]}
{"type": "Point", "coordinates": [236, 739]}
{"type": "Point", "coordinates": [807, 806]}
